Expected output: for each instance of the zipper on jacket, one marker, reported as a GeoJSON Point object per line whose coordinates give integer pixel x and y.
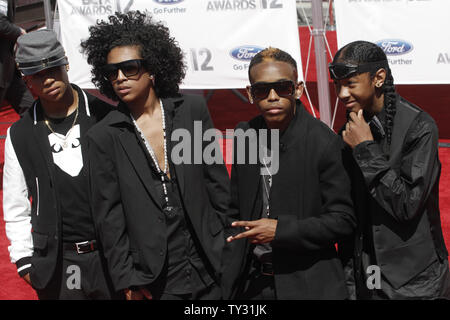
{"type": "Point", "coordinates": [37, 192]}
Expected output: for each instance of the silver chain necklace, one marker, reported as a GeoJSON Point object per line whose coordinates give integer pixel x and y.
{"type": "Point", "coordinates": [152, 153]}
{"type": "Point", "coordinates": [265, 186]}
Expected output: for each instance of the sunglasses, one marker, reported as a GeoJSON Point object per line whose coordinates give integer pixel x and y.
{"type": "Point", "coordinates": [129, 68]}
{"type": "Point", "coordinates": [261, 90]}
{"type": "Point", "coordinates": [339, 71]}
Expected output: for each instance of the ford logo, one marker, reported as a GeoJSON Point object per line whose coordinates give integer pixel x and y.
{"type": "Point", "coordinates": [245, 53]}
{"type": "Point", "coordinates": [394, 47]}
{"type": "Point", "coordinates": [168, 1]}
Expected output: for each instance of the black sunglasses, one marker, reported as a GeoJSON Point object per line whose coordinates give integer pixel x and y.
{"type": "Point", "coordinates": [129, 68]}
{"type": "Point", "coordinates": [261, 90]}
{"type": "Point", "coordinates": [339, 71]}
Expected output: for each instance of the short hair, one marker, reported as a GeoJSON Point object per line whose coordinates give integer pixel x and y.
{"type": "Point", "coordinates": [161, 54]}
{"type": "Point", "coordinates": [274, 54]}
{"type": "Point", "coordinates": [360, 52]}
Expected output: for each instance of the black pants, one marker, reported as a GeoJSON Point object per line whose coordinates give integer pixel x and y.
{"type": "Point", "coordinates": [80, 277]}
{"type": "Point", "coordinates": [258, 286]}
{"type": "Point", "coordinates": [213, 292]}
{"type": "Point", "coordinates": [17, 95]}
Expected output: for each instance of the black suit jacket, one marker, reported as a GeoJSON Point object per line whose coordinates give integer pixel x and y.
{"type": "Point", "coordinates": [8, 36]}
{"type": "Point", "coordinates": [310, 198]}
{"type": "Point", "coordinates": [127, 208]}
{"type": "Point", "coordinates": [400, 183]}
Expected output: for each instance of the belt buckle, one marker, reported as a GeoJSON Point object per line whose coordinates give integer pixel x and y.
{"type": "Point", "coordinates": [78, 244]}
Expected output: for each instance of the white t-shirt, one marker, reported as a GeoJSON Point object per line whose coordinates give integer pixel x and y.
{"type": "Point", "coordinates": [4, 7]}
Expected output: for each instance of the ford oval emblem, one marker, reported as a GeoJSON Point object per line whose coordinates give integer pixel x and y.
{"type": "Point", "coordinates": [394, 47]}
{"type": "Point", "coordinates": [168, 1]}
{"type": "Point", "coordinates": [245, 53]}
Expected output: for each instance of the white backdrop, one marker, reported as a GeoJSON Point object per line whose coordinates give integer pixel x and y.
{"type": "Point", "coordinates": [218, 37]}
{"type": "Point", "coordinates": [415, 35]}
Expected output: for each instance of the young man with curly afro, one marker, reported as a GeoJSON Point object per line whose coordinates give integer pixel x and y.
{"type": "Point", "coordinates": [160, 219]}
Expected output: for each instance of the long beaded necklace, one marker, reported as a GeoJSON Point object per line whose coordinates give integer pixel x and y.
{"type": "Point", "coordinates": [152, 153]}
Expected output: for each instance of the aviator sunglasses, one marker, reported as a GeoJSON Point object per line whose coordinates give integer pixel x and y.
{"type": "Point", "coordinates": [129, 68]}
{"type": "Point", "coordinates": [261, 90]}
{"type": "Point", "coordinates": [339, 71]}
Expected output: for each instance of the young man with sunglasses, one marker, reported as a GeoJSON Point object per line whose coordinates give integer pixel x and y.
{"type": "Point", "coordinates": [289, 220]}
{"type": "Point", "coordinates": [160, 220]}
{"type": "Point", "coordinates": [398, 250]}
{"type": "Point", "coordinates": [53, 239]}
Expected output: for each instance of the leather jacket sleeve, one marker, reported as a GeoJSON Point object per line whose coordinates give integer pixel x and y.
{"type": "Point", "coordinates": [402, 191]}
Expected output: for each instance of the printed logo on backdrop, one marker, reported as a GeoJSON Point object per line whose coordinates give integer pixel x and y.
{"type": "Point", "coordinates": [244, 54]}
{"type": "Point", "coordinates": [92, 7]}
{"type": "Point", "coordinates": [241, 5]}
{"type": "Point", "coordinates": [168, 7]}
{"type": "Point", "coordinates": [396, 47]}
{"type": "Point", "coordinates": [443, 58]}
{"type": "Point", "coordinates": [168, 1]}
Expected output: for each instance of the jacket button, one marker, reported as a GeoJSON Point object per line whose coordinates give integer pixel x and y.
{"type": "Point", "coordinates": [161, 253]}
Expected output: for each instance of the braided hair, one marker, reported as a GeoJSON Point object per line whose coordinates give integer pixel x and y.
{"type": "Point", "coordinates": [360, 52]}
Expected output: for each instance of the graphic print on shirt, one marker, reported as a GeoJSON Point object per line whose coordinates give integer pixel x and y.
{"type": "Point", "coordinates": [67, 151]}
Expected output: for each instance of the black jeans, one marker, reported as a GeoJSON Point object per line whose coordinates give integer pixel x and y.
{"type": "Point", "coordinates": [258, 286]}
{"type": "Point", "coordinates": [80, 277]}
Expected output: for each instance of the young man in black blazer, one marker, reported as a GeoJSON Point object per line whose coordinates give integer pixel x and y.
{"type": "Point", "coordinates": [159, 213]}
{"type": "Point", "coordinates": [398, 251]}
{"type": "Point", "coordinates": [12, 87]}
{"type": "Point", "coordinates": [53, 239]}
{"type": "Point", "coordinates": [291, 217]}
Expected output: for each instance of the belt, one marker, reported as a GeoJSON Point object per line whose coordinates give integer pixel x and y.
{"type": "Point", "coordinates": [266, 269]}
{"type": "Point", "coordinates": [81, 247]}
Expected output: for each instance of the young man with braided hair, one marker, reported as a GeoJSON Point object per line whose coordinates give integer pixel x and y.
{"type": "Point", "coordinates": [398, 251]}
{"type": "Point", "coordinates": [290, 218]}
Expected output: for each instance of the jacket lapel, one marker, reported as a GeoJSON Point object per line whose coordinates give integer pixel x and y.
{"type": "Point", "coordinates": [292, 164]}
{"type": "Point", "coordinates": [175, 120]}
{"type": "Point", "coordinates": [41, 136]}
{"type": "Point", "coordinates": [251, 177]}
{"type": "Point", "coordinates": [134, 152]}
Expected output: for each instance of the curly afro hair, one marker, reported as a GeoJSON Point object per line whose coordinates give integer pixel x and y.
{"type": "Point", "coordinates": [161, 54]}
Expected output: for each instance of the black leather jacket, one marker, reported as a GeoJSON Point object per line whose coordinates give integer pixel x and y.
{"type": "Point", "coordinates": [396, 196]}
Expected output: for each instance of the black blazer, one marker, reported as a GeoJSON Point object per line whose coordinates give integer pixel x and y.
{"type": "Point", "coordinates": [8, 36]}
{"type": "Point", "coordinates": [29, 137]}
{"type": "Point", "coordinates": [401, 185]}
{"type": "Point", "coordinates": [127, 210]}
{"type": "Point", "coordinates": [310, 198]}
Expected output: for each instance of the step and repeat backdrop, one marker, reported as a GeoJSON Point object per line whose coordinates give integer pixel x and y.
{"type": "Point", "coordinates": [414, 34]}
{"type": "Point", "coordinates": [218, 37]}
